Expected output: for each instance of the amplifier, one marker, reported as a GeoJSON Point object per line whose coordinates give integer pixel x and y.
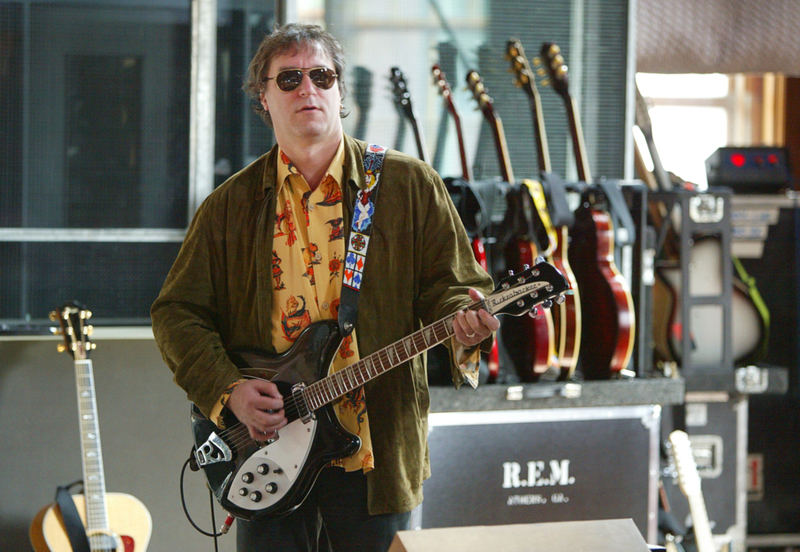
{"type": "Point", "coordinates": [756, 170]}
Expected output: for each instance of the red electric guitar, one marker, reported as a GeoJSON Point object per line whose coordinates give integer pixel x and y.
{"type": "Point", "coordinates": [606, 293]}
{"type": "Point", "coordinates": [478, 245]}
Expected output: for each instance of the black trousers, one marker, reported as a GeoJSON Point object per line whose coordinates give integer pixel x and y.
{"type": "Point", "coordinates": [334, 518]}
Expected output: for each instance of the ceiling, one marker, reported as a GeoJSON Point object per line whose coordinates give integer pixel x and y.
{"type": "Point", "coordinates": [718, 36]}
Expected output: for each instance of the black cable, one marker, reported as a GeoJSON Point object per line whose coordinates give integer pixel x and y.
{"type": "Point", "coordinates": [186, 511]}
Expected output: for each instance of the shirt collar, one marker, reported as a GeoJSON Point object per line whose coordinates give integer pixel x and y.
{"type": "Point", "coordinates": [335, 169]}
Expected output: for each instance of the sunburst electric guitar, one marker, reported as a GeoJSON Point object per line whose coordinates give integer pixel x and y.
{"type": "Point", "coordinates": [114, 522]}
{"type": "Point", "coordinates": [269, 479]}
{"type": "Point", "coordinates": [568, 315]}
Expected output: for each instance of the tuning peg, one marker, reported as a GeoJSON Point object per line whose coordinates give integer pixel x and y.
{"type": "Point", "coordinates": [56, 330]}
{"type": "Point", "coordinates": [534, 312]}
{"type": "Point", "coordinates": [61, 347]}
{"type": "Point", "coordinates": [91, 346]}
{"type": "Point", "coordinates": [87, 314]}
{"type": "Point", "coordinates": [560, 299]}
{"type": "Point", "coordinates": [53, 316]}
{"type": "Point", "coordinates": [526, 266]}
{"type": "Point", "coordinates": [88, 330]}
{"type": "Point", "coordinates": [545, 82]}
{"type": "Point", "coordinates": [539, 260]}
{"type": "Point", "coordinates": [510, 272]}
{"type": "Point", "coordinates": [547, 304]}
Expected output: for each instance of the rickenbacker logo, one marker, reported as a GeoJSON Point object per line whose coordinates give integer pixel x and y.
{"type": "Point", "coordinates": [537, 473]}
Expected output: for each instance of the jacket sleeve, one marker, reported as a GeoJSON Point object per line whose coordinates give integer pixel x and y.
{"type": "Point", "coordinates": [450, 267]}
{"type": "Point", "coordinates": [186, 318]}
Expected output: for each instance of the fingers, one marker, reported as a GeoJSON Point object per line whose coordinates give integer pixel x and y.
{"type": "Point", "coordinates": [471, 327]}
{"type": "Point", "coordinates": [259, 406]}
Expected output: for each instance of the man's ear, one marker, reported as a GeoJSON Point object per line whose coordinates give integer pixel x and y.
{"type": "Point", "coordinates": [263, 99]}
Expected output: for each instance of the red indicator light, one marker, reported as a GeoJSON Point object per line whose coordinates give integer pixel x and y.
{"type": "Point", "coordinates": [772, 159]}
{"type": "Point", "coordinates": [737, 159]}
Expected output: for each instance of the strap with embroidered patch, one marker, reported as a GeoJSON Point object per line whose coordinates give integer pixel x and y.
{"type": "Point", "coordinates": [358, 242]}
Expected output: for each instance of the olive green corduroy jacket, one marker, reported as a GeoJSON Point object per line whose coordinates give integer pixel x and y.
{"type": "Point", "coordinates": [218, 297]}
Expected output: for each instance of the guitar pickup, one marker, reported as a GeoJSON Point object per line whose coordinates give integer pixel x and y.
{"type": "Point", "coordinates": [213, 451]}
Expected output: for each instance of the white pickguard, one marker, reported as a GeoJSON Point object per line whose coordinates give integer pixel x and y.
{"type": "Point", "coordinates": [280, 461]}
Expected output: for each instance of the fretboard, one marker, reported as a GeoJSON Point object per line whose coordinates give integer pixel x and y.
{"type": "Point", "coordinates": [342, 382]}
{"type": "Point", "coordinates": [93, 478]}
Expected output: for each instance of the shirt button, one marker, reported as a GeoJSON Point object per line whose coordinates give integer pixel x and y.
{"type": "Point", "coordinates": [325, 306]}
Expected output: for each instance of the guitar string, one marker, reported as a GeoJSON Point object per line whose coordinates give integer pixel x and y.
{"type": "Point", "coordinates": [338, 384]}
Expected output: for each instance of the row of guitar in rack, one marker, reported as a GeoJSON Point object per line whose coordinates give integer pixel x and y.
{"type": "Point", "coordinates": [573, 226]}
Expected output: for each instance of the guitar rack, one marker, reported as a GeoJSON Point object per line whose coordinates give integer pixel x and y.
{"type": "Point", "coordinates": [701, 214]}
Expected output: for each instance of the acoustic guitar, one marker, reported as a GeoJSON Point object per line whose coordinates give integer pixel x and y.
{"type": "Point", "coordinates": [568, 315]}
{"type": "Point", "coordinates": [478, 243]}
{"type": "Point", "coordinates": [113, 521]}
{"type": "Point", "coordinates": [606, 293]}
{"type": "Point", "coordinates": [402, 99]}
{"type": "Point", "coordinates": [530, 342]}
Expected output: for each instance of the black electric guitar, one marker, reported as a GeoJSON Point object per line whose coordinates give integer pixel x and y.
{"type": "Point", "coordinates": [568, 315]}
{"type": "Point", "coordinates": [363, 99]}
{"type": "Point", "coordinates": [269, 479]}
{"type": "Point", "coordinates": [113, 521]}
{"type": "Point", "coordinates": [606, 293]}
{"type": "Point", "coordinates": [402, 99]}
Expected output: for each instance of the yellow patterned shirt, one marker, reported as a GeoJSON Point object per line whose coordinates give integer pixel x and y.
{"type": "Point", "coordinates": [307, 266]}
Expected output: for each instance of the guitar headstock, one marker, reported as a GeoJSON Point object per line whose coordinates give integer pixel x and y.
{"type": "Point", "coordinates": [688, 478]}
{"type": "Point", "coordinates": [440, 80]}
{"type": "Point", "coordinates": [71, 318]}
{"type": "Point", "coordinates": [402, 97]}
{"type": "Point", "coordinates": [523, 75]}
{"type": "Point", "coordinates": [478, 89]}
{"type": "Point", "coordinates": [363, 87]}
{"type": "Point", "coordinates": [556, 68]}
{"type": "Point", "coordinates": [520, 293]}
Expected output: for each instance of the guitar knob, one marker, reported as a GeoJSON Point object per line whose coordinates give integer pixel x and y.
{"type": "Point", "coordinates": [255, 496]}
{"type": "Point", "coordinates": [271, 488]}
{"type": "Point", "coordinates": [243, 491]}
{"type": "Point", "coordinates": [263, 469]}
{"type": "Point", "coordinates": [247, 477]}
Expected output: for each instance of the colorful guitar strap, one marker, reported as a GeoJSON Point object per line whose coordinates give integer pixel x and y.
{"type": "Point", "coordinates": [358, 242]}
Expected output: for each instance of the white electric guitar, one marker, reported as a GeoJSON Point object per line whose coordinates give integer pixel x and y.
{"type": "Point", "coordinates": [689, 481]}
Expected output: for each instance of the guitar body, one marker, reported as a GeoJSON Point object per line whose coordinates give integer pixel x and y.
{"type": "Point", "coordinates": [567, 317]}
{"type": "Point", "coordinates": [529, 341]}
{"type": "Point", "coordinates": [129, 519]}
{"type": "Point", "coordinates": [609, 339]}
{"type": "Point", "coordinates": [747, 322]}
{"type": "Point", "coordinates": [291, 463]}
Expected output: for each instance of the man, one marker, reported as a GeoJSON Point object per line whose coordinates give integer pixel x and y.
{"type": "Point", "coordinates": [262, 260]}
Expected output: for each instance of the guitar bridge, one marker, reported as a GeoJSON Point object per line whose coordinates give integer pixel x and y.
{"type": "Point", "coordinates": [213, 451]}
{"type": "Point", "coordinates": [298, 396]}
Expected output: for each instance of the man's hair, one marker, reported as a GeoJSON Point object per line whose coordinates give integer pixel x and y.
{"type": "Point", "coordinates": [291, 38]}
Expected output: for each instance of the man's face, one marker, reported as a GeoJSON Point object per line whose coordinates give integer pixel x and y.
{"type": "Point", "coordinates": [306, 114]}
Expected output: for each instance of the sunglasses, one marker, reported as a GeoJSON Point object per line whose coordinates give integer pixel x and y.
{"type": "Point", "coordinates": [289, 79]}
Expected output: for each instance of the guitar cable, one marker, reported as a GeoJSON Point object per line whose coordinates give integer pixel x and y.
{"type": "Point", "coordinates": [228, 520]}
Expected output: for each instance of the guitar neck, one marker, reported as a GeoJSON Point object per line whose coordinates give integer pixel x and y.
{"type": "Point", "coordinates": [93, 478]}
{"type": "Point", "coordinates": [701, 524]}
{"type": "Point", "coordinates": [502, 149]}
{"type": "Point", "coordinates": [466, 174]}
{"type": "Point", "coordinates": [578, 145]}
{"type": "Point", "coordinates": [336, 385]}
{"type": "Point", "coordinates": [422, 150]}
{"type": "Point", "coordinates": [542, 150]}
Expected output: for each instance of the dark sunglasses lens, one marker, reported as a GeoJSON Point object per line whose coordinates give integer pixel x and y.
{"type": "Point", "coordinates": [289, 80]}
{"type": "Point", "coordinates": [323, 78]}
